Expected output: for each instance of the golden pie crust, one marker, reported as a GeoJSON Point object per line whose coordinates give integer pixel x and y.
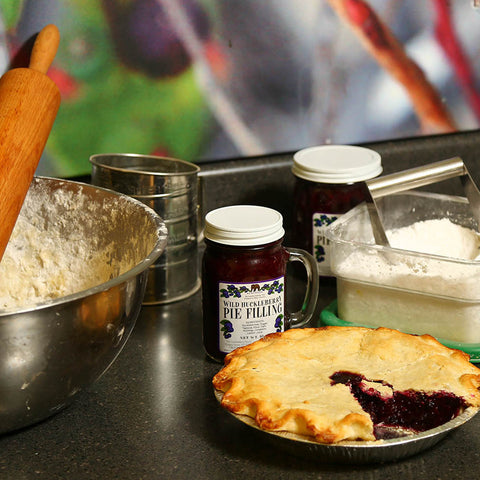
{"type": "Point", "coordinates": [283, 380]}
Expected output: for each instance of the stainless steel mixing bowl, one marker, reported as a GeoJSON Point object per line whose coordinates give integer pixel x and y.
{"type": "Point", "coordinates": [50, 352]}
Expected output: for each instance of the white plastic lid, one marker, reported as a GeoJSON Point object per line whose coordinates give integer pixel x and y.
{"type": "Point", "coordinates": [244, 225]}
{"type": "Point", "coordinates": [337, 164]}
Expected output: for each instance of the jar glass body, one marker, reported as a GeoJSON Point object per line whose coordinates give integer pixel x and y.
{"type": "Point", "coordinates": [242, 284]}
{"type": "Point", "coordinates": [316, 205]}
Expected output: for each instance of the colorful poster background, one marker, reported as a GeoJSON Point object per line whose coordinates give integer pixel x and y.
{"type": "Point", "coordinates": [214, 79]}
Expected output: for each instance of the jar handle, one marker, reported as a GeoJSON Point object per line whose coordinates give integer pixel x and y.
{"type": "Point", "coordinates": [302, 316]}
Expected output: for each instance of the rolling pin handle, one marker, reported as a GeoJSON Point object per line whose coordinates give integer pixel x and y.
{"type": "Point", "coordinates": [45, 49]}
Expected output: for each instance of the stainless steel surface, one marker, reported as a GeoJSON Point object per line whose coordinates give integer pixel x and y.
{"type": "Point", "coordinates": [52, 351]}
{"type": "Point", "coordinates": [414, 178]}
{"type": "Point", "coordinates": [170, 187]}
{"type": "Point", "coordinates": [357, 452]}
{"type": "Point", "coordinates": [378, 229]}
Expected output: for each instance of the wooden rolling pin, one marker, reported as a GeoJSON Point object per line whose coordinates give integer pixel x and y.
{"type": "Point", "coordinates": [29, 102]}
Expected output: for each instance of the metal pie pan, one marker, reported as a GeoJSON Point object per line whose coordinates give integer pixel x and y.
{"type": "Point", "coordinates": [358, 452]}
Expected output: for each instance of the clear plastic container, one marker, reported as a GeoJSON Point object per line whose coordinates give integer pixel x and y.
{"type": "Point", "coordinates": [410, 291]}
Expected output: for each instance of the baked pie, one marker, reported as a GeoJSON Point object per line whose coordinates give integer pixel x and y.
{"type": "Point", "coordinates": [347, 383]}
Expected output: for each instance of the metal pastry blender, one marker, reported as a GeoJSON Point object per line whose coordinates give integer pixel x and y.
{"type": "Point", "coordinates": [418, 177]}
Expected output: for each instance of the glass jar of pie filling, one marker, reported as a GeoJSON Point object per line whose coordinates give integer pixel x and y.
{"type": "Point", "coordinates": [330, 180]}
{"type": "Point", "coordinates": [243, 278]}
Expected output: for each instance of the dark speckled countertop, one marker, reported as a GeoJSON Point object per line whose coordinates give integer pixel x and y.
{"type": "Point", "coordinates": [153, 414]}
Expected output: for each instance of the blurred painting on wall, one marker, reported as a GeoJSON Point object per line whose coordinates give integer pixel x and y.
{"type": "Point", "coordinates": [204, 80]}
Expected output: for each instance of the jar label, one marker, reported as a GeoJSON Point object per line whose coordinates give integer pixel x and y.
{"type": "Point", "coordinates": [249, 311]}
{"type": "Point", "coordinates": [321, 244]}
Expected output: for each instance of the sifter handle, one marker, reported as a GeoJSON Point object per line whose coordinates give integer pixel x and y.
{"type": "Point", "coordinates": [45, 49]}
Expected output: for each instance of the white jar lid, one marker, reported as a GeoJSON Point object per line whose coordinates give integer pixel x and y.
{"type": "Point", "coordinates": [337, 164]}
{"type": "Point", "coordinates": [244, 225]}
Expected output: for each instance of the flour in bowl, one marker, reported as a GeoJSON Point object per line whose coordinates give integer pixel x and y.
{"type": "Point", "coordinates": [37, 267]}
{"type": "Point", "coordinates": [58, 248]}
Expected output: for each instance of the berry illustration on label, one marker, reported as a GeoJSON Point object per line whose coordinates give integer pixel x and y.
{"type": "Point", "coordinates": [279, 323]}
{"type": "Point", "coordinates": [227, 328]}
{"type": "Point", "coordinates": [249, 311]}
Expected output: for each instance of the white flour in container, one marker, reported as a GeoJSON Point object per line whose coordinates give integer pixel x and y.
{"type": "Point", "coordinates": [437, 237]}
{"type": "Point", "coordinates": [416, 293]}
{"type": "Point", "coordinates": [51, 254]}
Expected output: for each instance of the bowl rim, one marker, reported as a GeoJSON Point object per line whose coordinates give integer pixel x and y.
{"type": "Point", "coordinates": [140, 267]}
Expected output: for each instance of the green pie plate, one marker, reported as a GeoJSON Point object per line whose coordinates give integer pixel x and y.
{"type": "Point", "coordinates": [328, 317]}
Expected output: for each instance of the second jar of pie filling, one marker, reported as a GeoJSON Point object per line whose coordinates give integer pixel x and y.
{"type": "Point", "coordinates": [330, 180]}
{"type": "Point", "coordinates": [243, 278]}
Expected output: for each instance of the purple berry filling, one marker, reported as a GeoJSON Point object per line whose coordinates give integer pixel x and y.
{"type": "Point", "coordinates": [409, 409]}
